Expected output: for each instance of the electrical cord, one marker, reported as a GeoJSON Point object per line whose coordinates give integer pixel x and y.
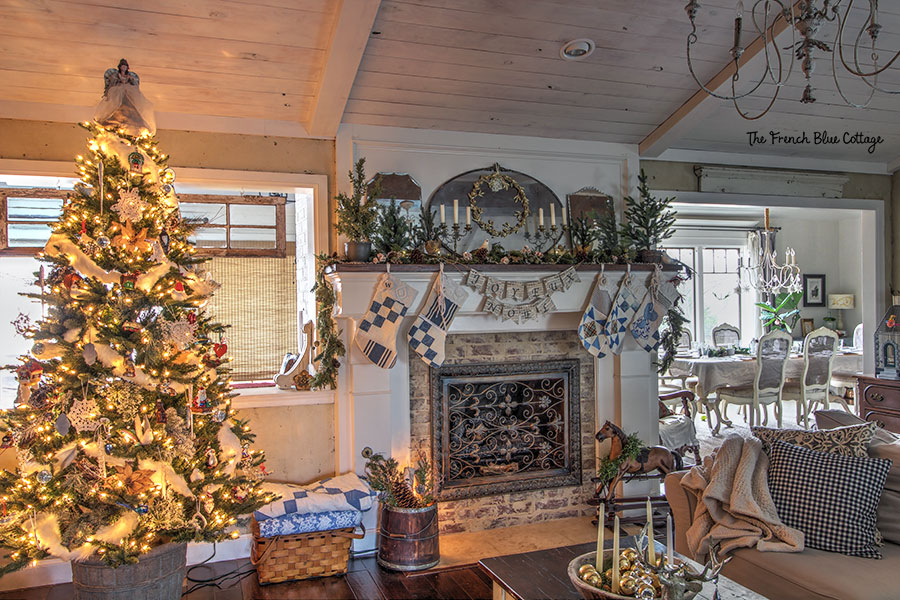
{"type": "Point", "coordinates": [219, 581]}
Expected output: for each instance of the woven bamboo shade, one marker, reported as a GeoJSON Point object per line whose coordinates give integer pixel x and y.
{"type": "Point", "coordinates": [258, 298]}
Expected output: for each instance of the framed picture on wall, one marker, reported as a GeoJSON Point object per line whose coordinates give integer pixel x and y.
{"type": "Point", "coordinates": [814, 290]}
{"type": "Point", "coordinates": [806, 326]}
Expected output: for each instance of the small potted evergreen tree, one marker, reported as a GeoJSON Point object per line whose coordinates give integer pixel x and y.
{"type": "Point", "coordinates": [648, 222]}
{"type": "Point", "coordinates": [357, 215]}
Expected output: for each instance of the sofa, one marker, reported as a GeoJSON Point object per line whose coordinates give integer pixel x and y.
{"type": "Point", "coordinates": [808, 575]}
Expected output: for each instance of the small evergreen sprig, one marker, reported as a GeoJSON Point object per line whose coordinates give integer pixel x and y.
{"type": "Point", "coordinates": [357, 214]}
{"type": "Point", "coordinates": [649, 220]}
{"type": "Point", "coordinates": [425, 230]}
{"type": "Point", "coordinates": [609, 468]}
{"type": "Point", "coordinates": [392, 233]}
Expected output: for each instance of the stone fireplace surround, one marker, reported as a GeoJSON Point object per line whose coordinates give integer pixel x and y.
{"type": "Point", "coordinates": [375, 407]}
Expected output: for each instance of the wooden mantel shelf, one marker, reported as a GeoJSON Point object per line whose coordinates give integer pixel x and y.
{"type": "Point", "coordinates": [500, 268]}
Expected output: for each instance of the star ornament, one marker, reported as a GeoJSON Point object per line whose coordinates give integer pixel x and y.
{"type": "Point", "coordinates": [135, 481]}
{"type": "Point", "coordinates": [82, 415]}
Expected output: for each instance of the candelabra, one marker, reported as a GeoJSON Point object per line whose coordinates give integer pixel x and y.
{"type": "Point", "coordinates": [451, 235]}
{"type": "Point", "coordinates": [767, 276]}
{"type": "Point", "coordinates": [544, 238]}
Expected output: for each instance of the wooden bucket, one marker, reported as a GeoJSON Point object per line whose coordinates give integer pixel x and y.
{"type": "Point", "coordinates": [158, 575]}
{"type": "Point", "coordinates": [408, 538]}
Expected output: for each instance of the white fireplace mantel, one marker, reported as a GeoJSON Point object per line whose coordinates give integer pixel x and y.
{"type": "Point", "coordinates": [372, 404]}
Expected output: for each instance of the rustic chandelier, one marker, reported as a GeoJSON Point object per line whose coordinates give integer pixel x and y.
{"type": "Point", "coordinates": [805, 18]}
{"type": "Point", "coordinates": [767, 276]}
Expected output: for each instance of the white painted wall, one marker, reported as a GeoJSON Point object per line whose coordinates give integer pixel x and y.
{"type": "Point", "coordinates": [829, 246]}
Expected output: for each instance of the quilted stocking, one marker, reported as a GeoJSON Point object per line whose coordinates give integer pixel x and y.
{"type": "Point", "coordinates": [645, 326]}
{"type": "Point", "coordinates": [377, 333]}
{"type": "Point", "coordinates": [592, 330]}
{"type": "Point", "coordinates": [428, 334]}
{"type": "Point", "coordinates": [623, 310]}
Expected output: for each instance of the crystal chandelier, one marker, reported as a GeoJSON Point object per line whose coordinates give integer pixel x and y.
{"type": "Point", "coordinates": [805, 18]}
{"type": "Point", "coordinates": [767, 276]}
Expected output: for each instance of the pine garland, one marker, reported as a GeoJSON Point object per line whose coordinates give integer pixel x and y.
{"type": "Point", "coordinates": [609, 468]}
{"type": "Point", "coordinates": [331, 348]}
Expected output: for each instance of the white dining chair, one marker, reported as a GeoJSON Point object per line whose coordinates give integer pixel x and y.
{"type": "Point", "coordinates": [768, 383]}
{"type": "Point", "coordinates": [819, 348]}
{"type": "Point", "coordinates": [726, 335]}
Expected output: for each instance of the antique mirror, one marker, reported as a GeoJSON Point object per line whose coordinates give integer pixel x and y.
{"type": "Point", "coordinates": [499, 206]}
{"type": "Point", "coordinates": [399, 186]}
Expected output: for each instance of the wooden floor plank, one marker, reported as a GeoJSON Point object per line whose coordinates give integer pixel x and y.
{"type": "Point", "coordinates": [365, 580]}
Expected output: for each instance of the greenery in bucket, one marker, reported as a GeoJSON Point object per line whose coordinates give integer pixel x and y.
{"type": "Point", "coordinates": [357, 214]}
{"type": "Point", "coordinates": [396, 488]}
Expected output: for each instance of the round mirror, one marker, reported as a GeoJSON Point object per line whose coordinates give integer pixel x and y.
{"type": "Point", "coordinates": [499, 205]}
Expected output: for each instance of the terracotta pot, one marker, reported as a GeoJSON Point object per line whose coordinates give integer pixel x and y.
{"type": "Point", "coordinates": [358, 251]}
{"type": "Point", "coordinates": [158, 575]}
{"type": "Point", "coordinates": [408, 538]}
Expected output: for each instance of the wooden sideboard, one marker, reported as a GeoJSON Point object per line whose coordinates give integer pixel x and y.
{"type": "Point", "coordinates": [880, 401]}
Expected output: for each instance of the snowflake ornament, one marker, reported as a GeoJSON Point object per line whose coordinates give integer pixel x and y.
{"type": "Point", "coordinates": [179, 333]}
{"type": "Point", "coordinates": [130, 206]}
{"type": "Point", "coordinates": [80, 415]}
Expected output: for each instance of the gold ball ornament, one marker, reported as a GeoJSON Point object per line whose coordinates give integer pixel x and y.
{"type": "Point", "coordinates": [595, 580]}
{"type": "Point", "coordinates": [624, 564]}
{"type": "Point", "coordinates": [645, 592]}
{"type": "Point", "coordinates": [608, 574]}
{"type": "Point", "coordinates": [586, 570]}
{"type": "Point", "coordinates": [628, 585]}
{"type": "Point", "coordinates": [630, 553]}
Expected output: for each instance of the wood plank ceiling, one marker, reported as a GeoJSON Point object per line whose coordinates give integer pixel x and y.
{"type": "Point", "coordinates": [490, 66]}
{"type": "Point", "coordinates": [227, 58]}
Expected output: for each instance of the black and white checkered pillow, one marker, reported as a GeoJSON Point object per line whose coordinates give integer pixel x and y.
{"type": "Point", "coordinates": [832, 499]}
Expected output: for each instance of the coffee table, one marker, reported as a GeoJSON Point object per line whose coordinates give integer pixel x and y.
{"type": "Point", "coordinates": [542, 574]}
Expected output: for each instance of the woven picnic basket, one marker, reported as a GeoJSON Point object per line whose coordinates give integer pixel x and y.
{"type": "Point", "coordinates": [301, 555]}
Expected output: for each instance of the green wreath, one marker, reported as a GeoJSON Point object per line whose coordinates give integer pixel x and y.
{"type": "Point", "coordinates": [498, 181]}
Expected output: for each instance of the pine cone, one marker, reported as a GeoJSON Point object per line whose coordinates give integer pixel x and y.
{"type": "Point", "coordinates": [416, 256]}
{"type": "Point", "coordinates": [402, 494]}
{"type": "Point", "coordinates": [480, 254]}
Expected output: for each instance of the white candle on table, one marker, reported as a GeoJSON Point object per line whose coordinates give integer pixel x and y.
{"type": "Point", "coordinates": [601, 526]}
{"type": "Point", "coordinates": [552, 215]}
{"type": "Point", "coordinates": [468, 215]}
{"type": "Point", "coordinates": [669, 541]}
{"type": "Point", "coordinates": [615, 557]}
{"type": "Point", "coordinates": [541, 217]}
{"type": "Point", "coordinates": [455, 211]}
{"type": "Point", "coordinates": [443, 218]}
{"type": "Point", "coordinates": [651, 546]}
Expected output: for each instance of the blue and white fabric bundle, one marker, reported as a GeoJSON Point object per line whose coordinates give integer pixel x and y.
{"type": "Point", "coordinates": [333, 503]}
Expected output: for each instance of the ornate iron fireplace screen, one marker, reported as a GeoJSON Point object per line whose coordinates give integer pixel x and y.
{"type": "Point", "coordinates": [506, 427]}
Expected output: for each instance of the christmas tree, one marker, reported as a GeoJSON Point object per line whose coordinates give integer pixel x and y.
{"type": "Point", "coordinates": [124, 430]}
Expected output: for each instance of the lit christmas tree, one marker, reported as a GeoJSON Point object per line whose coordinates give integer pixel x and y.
{"type": "Point", "coordinates": [123, 428]}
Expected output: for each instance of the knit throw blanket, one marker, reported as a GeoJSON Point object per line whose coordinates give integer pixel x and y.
{"type": "Point", "coordinates": [733, 505]}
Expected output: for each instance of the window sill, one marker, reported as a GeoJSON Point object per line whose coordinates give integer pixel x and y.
{"type": "Point", "coordinates": [270, 397]}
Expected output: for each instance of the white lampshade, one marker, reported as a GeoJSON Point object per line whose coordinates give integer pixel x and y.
{"type": "Point", "coordinates": [841, 301]}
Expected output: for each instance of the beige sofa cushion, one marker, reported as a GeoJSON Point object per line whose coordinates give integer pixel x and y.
{"type": "Point", "coordinates": [817, 575]}
{"type": "Point", "coordinates": [844, 441]}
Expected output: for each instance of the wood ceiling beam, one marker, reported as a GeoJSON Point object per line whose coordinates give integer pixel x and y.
{"type": "Point", "coordinates": [352, 28]}
{"type": "Point", "coordinates": [701, 105]}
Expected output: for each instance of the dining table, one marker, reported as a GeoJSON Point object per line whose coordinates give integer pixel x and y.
{"type": "Point", "coordinates": [715, 372]}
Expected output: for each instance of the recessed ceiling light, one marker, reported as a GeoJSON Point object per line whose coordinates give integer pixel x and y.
{"type": "Point", "coordinates": [576, 49]}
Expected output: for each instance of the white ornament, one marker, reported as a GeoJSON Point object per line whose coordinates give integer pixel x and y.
{"type": "Point", "coordinates": [130, 206]}
{"type": "Point", "coordinates": [179, 333]}
{"type": "Point", "coordinates": [80, 415]}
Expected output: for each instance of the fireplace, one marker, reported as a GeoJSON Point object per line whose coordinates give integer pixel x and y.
{"type": "Point", "coordinates": [505, 427]}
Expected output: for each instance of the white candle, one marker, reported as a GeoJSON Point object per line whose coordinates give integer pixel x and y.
{"type": "Point", "coordinates": [552, 215]}
{"type": "Point", "coordinates": [564, 219]}
{"type": "Point", "coordinates": [443, 218]}
{"type": "Point", "coordinates": [541, 217]}
{"type": "Point", "coordinates": [468, 215]}
{"type": "Point", "coordinates": [456, 211]}
{"type": "Point", "coordinates": [651, 546]}
{"type": "Point", "coordinates": [615, 557]}
{"type": "Point", "coordinates": [670, 543]}
{"type": "Point", "coordinates": [601, 527]}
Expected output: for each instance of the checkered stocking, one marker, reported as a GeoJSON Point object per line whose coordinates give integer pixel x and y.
{"type": "Point", "coordinates": [592, 330]}
{"type": "Point", "coordinates": [377, 333]}
{"type": "Point", "coordinates": [428, 334]}
{"type": "Point", "coordinates": [623, 310]}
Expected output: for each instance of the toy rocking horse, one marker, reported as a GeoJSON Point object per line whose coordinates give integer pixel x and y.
{"type": "Point", "coordinates": [648, 459]}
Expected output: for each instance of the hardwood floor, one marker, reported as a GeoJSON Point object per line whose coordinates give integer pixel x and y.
{"type": "Point", "coordinates": [365, 580]}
